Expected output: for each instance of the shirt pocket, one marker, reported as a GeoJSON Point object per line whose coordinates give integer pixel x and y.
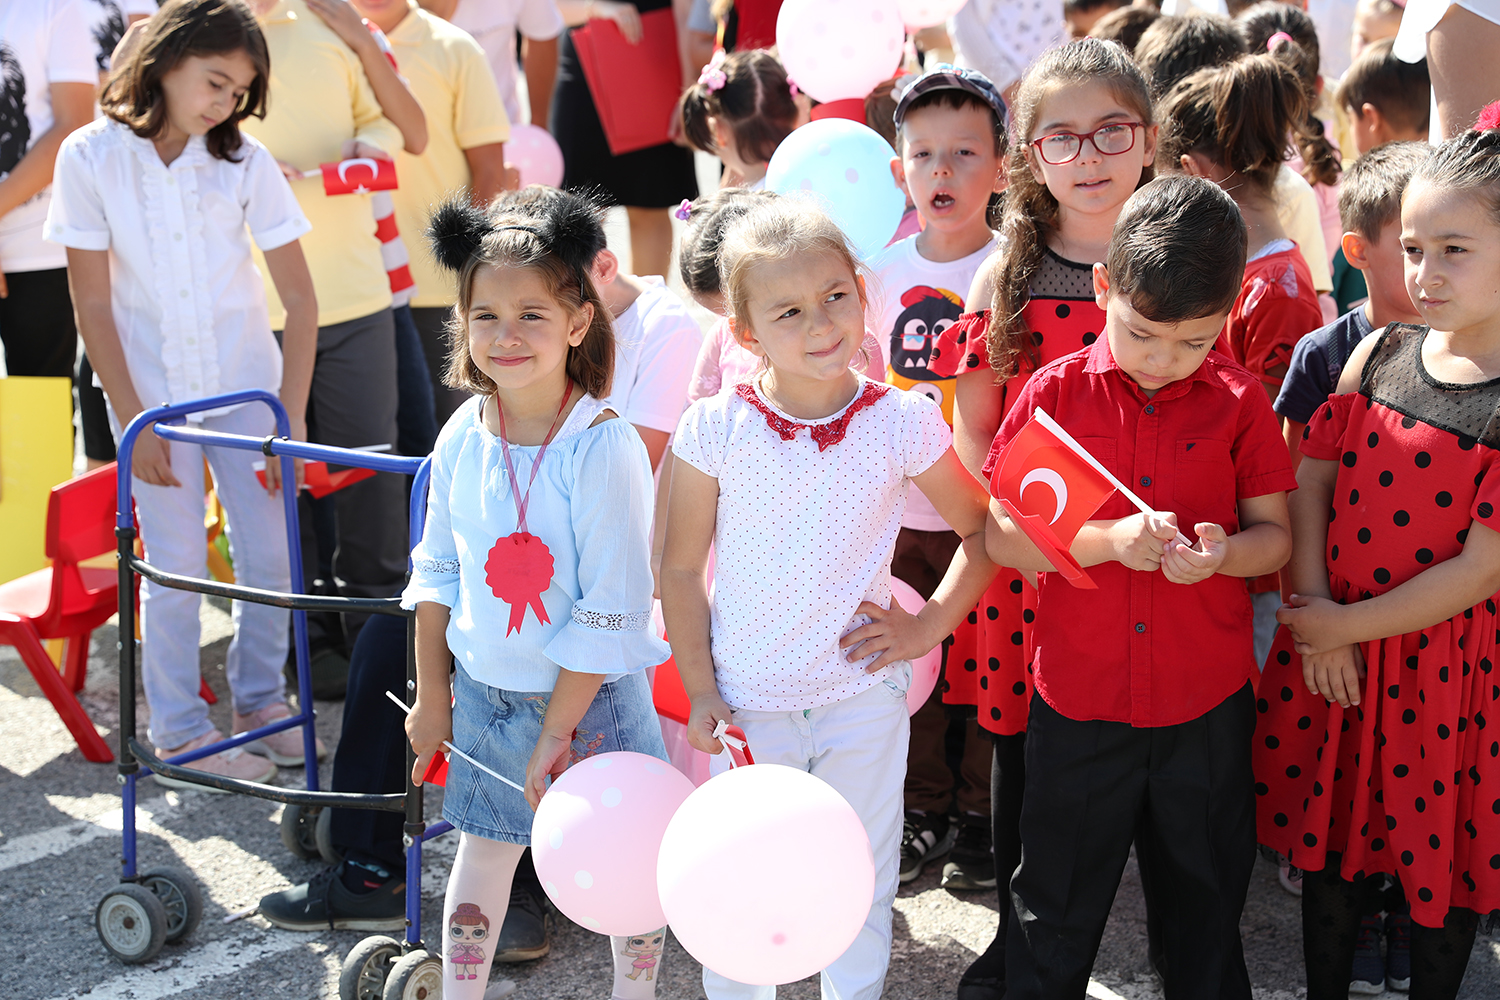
{"type": "Point", "coordinates": [1203, 480]}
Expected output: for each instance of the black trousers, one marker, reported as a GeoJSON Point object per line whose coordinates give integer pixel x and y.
{"type": "Point", "coordinates": [432, 327]}
{"type": "Point", "coordinates": [1185, 795]}
{"type": "Point", "coordinates": [36, 323]}
{"type": "Point", "coordinates": [371, 755]}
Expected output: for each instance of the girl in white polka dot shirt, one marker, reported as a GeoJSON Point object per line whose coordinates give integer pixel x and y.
{"type": "Point", "coordinates": [797, 478]}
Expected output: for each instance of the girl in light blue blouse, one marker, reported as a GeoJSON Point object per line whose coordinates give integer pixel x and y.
{"type": "Point", "coordinates": [532, 582]}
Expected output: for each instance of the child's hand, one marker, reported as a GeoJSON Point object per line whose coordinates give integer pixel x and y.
{"type": "Point", "coordinates": [152, 460]}
{"type": "Point", "coordinates": [1314, 623]}
{"type": "Point", "coordinates": [550, 759]}
{"type": "Point", "coordinates": [353, 149]}
{"type": "Point", "coordinates": [707, 712]}
{"type": "Point", "coordinates": [428, 725]}
{"type": "Point", "coordinates": [345, 22]}
{"type": "Point", "coordinates": [1141, 539]}
{"type": "Point", "coordinates": [1194, 564]}
{"type": "Point", "coordinates": [893, 633]}
{"type": "Point", "coordinates": [273, 464]}
{"type": "Point", "coordinates": [1336, 675]}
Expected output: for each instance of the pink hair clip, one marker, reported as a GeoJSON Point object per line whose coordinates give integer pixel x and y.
{"type": "Point", "coordinates": [684, 210]}
{"type": "Point", "coordinates": [792, 86]}
{"type": "Point", "coordinates": [712, 78]}
{"type": "Point", "coordinates": [1280, 36]}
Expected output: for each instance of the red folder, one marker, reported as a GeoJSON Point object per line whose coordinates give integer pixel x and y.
{"type": "Point", "coordinates": [635, 87]}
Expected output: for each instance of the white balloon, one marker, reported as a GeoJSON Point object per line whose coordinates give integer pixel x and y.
{"type": "Point", "coordinates": [839, 49]}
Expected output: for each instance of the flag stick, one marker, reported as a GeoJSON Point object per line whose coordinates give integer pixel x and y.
{"type": "Point", "coordinates": [498, 777]}
{"type": "Point", "coordinates": [1045, 419]}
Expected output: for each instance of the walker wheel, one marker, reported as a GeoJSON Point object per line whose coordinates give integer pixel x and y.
{"type": "Point", "coordinates": [179, 896]}
{"type": "Point", "coordinates": [323, 837]}
{"type": "Point", "coordinates": [418, 975]}
{"type": "Point", "coordinates": [367, 967]}
{"type": "Point", "coordinates": [299, 829]}
{"type": "Point", "coordinates": [132, 923]}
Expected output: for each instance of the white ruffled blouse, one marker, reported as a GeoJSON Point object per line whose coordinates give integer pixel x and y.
{"type": "Point", "coordinates": [591, 503]}
{"type": "Point", "coordinates": [188, 302]}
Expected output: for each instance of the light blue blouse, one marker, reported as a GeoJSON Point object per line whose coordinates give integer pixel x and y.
{"type": "Point", "coordinates": [591, 504]}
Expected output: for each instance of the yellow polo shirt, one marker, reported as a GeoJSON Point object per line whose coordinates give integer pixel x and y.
{"type": "Point", "coordinates": [320, 97]}
{"type": "Point", "coordinates": [451, 78]}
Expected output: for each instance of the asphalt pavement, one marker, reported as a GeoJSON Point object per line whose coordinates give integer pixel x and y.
{"type": "Point", "coordinates": [59, 845]}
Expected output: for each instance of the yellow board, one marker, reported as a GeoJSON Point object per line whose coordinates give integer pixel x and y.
{"type": "Point", "coordinates": [36, 453]}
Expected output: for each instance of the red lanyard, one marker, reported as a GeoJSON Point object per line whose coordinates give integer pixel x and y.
{"type": "Point", "coordinates": [510, 466]}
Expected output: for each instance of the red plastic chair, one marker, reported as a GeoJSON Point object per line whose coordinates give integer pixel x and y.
{"type": "Point", "coordinates": [66, 600]}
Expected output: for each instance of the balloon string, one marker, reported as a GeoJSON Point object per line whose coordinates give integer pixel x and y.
{"type": "Point", "coordinates": [498, 777]}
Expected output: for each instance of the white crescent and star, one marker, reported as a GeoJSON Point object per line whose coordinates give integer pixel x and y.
{"type": "Point", "coordinates": [1051, 479]}
{"type": "Point", "coordinates": [361, 161]}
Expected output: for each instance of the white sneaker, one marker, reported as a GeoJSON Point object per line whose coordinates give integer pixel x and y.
{"type": "Point", "coordinates": [232, 763]}
{"type": "Point", "coordinates": [284, 748]}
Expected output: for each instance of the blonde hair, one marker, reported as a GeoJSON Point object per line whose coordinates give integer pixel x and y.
{"type": "Point", "coordinates": [775, 230]}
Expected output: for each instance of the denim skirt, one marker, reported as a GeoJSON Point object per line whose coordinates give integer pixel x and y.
{"type": "Point", "coordinates": [500, 728]}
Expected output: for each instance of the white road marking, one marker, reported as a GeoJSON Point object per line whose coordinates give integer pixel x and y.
{"type": "Point", "coordinates": [218, 958]}
{"type": "Point", "coordinates": [98, 816]}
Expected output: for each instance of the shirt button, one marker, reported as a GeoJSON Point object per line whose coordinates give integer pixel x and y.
{"type": "Point", "coordinates": [191, 341]}
{"type": "Point", "coordinates": [182, 293]}
{"type": "Point", "coordinates": [178, 236]}
{"type": "Point", "coordinates": [1140, 626]}
{"type": "Point", "coordinates": [1145, 480]}
{"type": "Point", "coordinates": [1150, 408]}
{"type": "Point", "coordinates": [194, 385]}
{"type": "Point", "coordinates": [171, 179]}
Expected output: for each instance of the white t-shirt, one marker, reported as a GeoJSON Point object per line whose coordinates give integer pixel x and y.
{"type": "Point", "coordinates": [494, 24]}
{"type": "Point", "coordinates": [656, 346]}
{"type": "Point", "coordinates": [188, 302]}
{"type": "Point", "coordinates": [802, 536]}
{"type": "Point", "coordinates": [914, 300]}
{"type": "Point", "coordinates": [43, 42]}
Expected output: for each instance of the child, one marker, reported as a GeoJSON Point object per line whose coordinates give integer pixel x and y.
{"type": "Point", "coordinates": [1082, 15]}
{"type": "Point", "coordinates": [157, 203]}
{"type": "Point", "coordinates": [950, 126]}
{"type": "Point", "coordinates": [569, 576]}
{"type": "Point", "coordinates": [1175, 47]}
{"type": "Point", "coordinates": [1125, 25]}
{"type": "Point", "coordinates": [1374, 21]}
{"type": "Point", "coordinates": [1039, 291]}
{"type": "Point", "coordinates": [1386, 99]}
{"type": "Point", "coordinates": [797, 646]}
{"type": "Point", "coordinates": [739, 110]}
{"type": "Point", "coordinates": [1392, 616]}
{"type": "Point", "coordinates": [1262, 100]}
{"type": "Point", "coordinates": [1147, 738]}
{"type": "Point", "coordinates": [1287, 31]}
{"type": "Point", "coordinates": [1370, 206]}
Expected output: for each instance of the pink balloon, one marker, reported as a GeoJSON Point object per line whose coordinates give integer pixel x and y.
{"type": "Point", "coordinates": [838, 49]}
{"type": "Point", "coordinates": [925, 13]}
{"type": "Point", "coordinates": [596, 835]}
{"type": "Point", "coordinates": [924, 669]}
{"type": "Point", "coordinates": [766, 874]}
{"type": "Point", "coordinates": [535, 153]}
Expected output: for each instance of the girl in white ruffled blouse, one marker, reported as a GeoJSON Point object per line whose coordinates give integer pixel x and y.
{"type": "Point", "coordinates": [157, 203]}
{"type": "Point", "coordinates": [532, 581]}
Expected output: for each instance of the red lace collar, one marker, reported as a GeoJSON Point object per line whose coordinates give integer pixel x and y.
{"type": "Point", "coordinates": [824, 434]}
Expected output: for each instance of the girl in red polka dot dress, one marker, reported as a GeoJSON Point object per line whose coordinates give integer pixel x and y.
{"type": "Point", "coordinates": [1083, 121]}
{"type": "Point", "coordinates": [1378, 742]}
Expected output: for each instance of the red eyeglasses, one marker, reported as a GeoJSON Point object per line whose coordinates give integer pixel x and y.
{"type": "Point", "coordinates": [1113, 139]}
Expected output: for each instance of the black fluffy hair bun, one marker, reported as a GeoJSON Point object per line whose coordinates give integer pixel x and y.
{"type": "Point", "coordinates": [571, 225]}
{"type": "Point", "coordinates": [455, 232]}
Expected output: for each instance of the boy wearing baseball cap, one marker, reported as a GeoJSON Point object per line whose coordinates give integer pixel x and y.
{"type": "Point", "coordinates": [950, 134]}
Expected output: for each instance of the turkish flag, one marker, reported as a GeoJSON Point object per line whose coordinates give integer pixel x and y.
{"type": "Point", "coordinates": [437, 770]}
{"type": "Point", "coordinates": [360, 175]}
{"type": "Point", "coordinates": [1049, 490]}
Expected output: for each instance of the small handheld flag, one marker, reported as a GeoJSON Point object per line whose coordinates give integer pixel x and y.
{"type": "Point", "coordinates": [359, 175]}
{"type": "Point", "coordinates": [1074, 487]}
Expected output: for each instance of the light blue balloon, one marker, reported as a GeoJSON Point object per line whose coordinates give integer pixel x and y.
{"type": "Point", "coordinates": [845, 168]}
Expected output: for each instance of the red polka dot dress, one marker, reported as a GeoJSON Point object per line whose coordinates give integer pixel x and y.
{"type": "Point", "coordinates": [989, 656]}
{"type": "Point", "coordinates": [1408, 782]}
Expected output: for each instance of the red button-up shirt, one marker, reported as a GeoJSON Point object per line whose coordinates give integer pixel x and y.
{"type": "Point", "coordinates": [1140, 649]}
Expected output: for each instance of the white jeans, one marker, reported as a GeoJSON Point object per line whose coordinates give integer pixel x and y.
{"type": "Point", "coordinates": [171, 519]}
{"type": "Point", "coordinates": [859, 747]}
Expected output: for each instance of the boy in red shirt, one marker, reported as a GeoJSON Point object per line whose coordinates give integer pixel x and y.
{"type": "Point", "coordinates": [1141, 723]}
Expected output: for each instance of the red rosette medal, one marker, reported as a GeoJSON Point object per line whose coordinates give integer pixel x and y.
{"type": "Point", "coordinates": [519, 571]}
